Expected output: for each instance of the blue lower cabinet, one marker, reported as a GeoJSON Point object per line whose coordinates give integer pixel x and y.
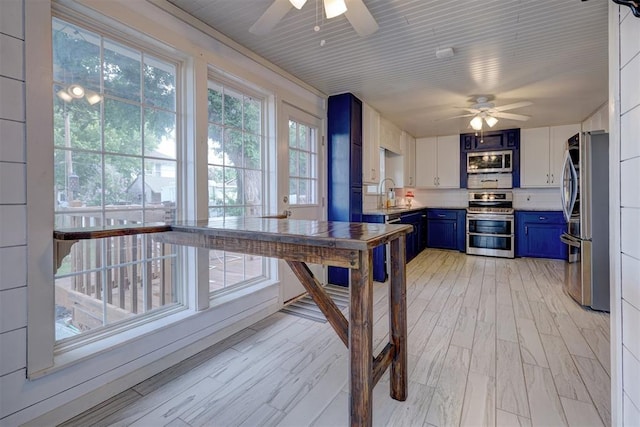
{"type": "Point", "coordinates": [379, 253]}
{"type": "Point", "coordinates": [538, 234]}
{"type": "Point", "coordinates": [413, 239]}
{"type": "Point", "coordinates": [446, 229]}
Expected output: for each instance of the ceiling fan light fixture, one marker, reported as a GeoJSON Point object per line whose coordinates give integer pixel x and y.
{"type": "Point", "coordinates": [298, 3]}
{"type": "Point", "coordinates": [76, 91]}
{"type": "Point", "coordinates": [64, 95]}
{"type": "Point", "coordinates": [491, 121]}
{"type": "Point", "coordinates": [93, 97]}
{"type": "Point", "coordinates": [333, 8]}
{"type": "Point", "coordinates": [476, 123]}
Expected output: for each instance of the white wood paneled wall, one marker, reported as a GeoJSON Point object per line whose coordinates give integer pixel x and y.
{"type": "Point", "coordinates": [629, 248]}
{"type": "Point", "coordinates": [13, 270]}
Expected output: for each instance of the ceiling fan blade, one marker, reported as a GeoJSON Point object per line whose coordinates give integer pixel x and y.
{"type": "Point", "coordinates": [360, 18]}
{"type": "Point", "coordinates": [271, 17]}
{"type": "Point", "coordinates": [463, 115]}
{"type": "Point", "coordinates": [510, 116]}
{"type": "Point", "coordinates": [512, 106]}
{"type": "Point", "coordinates": [471, 110]}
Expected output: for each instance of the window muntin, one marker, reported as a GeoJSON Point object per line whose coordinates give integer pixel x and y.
{"type": "Point", "coordinates": [115, 147]}
{"type": "Point", "coordinates": [236, 146]}
{"type": "Point", "coordinates": [303, 164]}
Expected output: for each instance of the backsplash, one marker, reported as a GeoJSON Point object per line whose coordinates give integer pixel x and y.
{"type": "Point", "coordinates": [523, 199]}
{"type": "Point", "coordinates": [537, 199]}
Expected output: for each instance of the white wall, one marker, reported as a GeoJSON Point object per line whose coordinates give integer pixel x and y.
{"type": "Point", "coordinates": [70, 389]}
{"type": "Point", "coordinates": [625, 165]}
{"type": "Point", "coordinates": [13, 269]}
{"type": "Point", "coordinates": [599, 120]}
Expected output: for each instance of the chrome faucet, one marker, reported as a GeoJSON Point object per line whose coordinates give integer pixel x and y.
{"type": "Point", "coordinates": [381, 193]}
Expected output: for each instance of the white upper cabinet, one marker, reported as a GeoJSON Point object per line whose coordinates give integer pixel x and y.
{"type": "Point", "coordinates": [534, 157]}
{"type": "Point", "coordinates": [541, 155]}
{"type": "Point", "coordinates": [409, 154]}
{"type": "Point", "coordinates": [390, 136]}
{"type": "Point", "coordinates": [438, 162]}
{"type": "Point", "coordinates": [370, 145]}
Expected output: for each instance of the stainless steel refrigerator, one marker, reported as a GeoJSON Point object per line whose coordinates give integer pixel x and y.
{"type": "Point", "coordinates": [585, 201]}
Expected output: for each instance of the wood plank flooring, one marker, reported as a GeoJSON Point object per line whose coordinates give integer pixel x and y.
{"type": "Point", "coordinates": [492, 342]}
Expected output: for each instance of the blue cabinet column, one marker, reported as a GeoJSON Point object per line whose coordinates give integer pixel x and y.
{"type": "Point", "coordinates": [344, 178]}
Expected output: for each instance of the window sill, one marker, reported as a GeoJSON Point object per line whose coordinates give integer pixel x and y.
{"type": "Point", "coordinates": [114, 341]}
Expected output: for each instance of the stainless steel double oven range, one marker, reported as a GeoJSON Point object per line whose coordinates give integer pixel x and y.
{"type": "Point", "coordinates": [490, 218]}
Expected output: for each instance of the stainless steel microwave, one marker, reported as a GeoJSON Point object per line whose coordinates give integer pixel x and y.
{"type": "Point", "coordinates": [490, 161]}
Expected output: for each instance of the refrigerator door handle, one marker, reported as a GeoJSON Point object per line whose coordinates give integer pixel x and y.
{"type": "Point", "coordinates": [570, 181]}
{"type": "Point", "coordinates": [570, 240]}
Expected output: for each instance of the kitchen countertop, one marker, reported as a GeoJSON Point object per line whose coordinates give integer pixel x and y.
{"type": "Point", "coordinates": [538, 209]}
{"type": "Point", "coordinates": [401, 210]}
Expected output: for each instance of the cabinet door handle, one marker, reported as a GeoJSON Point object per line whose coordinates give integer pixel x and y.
{"type": "Point", "coordinates": [547, 178]}
{"type": "Point", "coordinates": [455, 226]}
{"type": "Point", "coordinates": [526, 230]}
{"type": "Point", "coordinates": [552, 179]}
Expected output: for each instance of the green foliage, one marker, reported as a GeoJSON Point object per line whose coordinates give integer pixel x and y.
{"type": "Point", "coordinates": [115, 125]}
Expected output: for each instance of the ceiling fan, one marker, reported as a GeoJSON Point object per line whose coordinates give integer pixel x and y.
{"type": "Point", "coordinates": [486, 111]}
{"type": "Point", "coordinates": [355, 11]}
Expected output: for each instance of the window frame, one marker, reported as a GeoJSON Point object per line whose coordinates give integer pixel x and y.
{"type": "Point", "coordinates": [44, 354]}
{"type": "Point", "coordinates": [108, 36]}
{"type": "Point", "coordinates": [253, 302]}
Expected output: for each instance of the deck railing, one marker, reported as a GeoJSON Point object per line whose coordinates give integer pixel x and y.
{"type": "Point", "coordinates": [103, 281]}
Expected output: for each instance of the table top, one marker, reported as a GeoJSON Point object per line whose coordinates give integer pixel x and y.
{"type": "Point", "coordinates": [345, 235]}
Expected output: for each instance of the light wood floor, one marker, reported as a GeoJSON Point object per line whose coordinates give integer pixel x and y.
{"type": "Point", "coordinates": [491, 342]}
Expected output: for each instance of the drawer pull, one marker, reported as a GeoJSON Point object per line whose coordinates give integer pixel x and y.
{"type": "Point", "coordinates": [542, 218]}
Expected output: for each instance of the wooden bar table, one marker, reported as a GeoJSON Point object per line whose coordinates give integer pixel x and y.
{"type": "Point", "coordinates": [298, 242]}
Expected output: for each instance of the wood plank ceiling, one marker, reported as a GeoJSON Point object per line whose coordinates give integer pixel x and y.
{"type": "Point", "coordinates": [550, 52]}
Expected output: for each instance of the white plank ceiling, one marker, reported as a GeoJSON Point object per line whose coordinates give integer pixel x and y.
{"type": "Point", "coordinates": [550, 52]}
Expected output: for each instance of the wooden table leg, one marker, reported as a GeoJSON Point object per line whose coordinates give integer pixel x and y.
{"type": "Point", "coordinates": [398, 319]}
{"type": "Point", "coordinates": [361, 342]}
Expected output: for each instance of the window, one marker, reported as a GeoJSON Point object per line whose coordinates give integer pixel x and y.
{"type": "Point", "coordinates": [115, 162]}
{"type": "Point", "coordinates": [236, 146]}
{"type": "Point", "coordinates": [303, 161]}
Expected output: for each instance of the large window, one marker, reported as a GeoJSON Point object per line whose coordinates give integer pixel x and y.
{"type": "Point", "coordinates": [236, 146]}
{"type": "Point", "coordinates": [115, 154]}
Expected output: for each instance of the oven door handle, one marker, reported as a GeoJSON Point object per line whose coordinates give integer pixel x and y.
{"type": "Point", "coordinates": [472, 233]}
{"type": "Point", "coordinates": [394, 221]}
{"type": "Point", "coordinates": [490, 217]}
